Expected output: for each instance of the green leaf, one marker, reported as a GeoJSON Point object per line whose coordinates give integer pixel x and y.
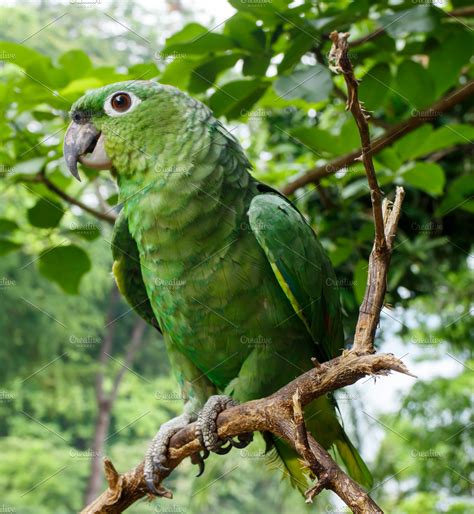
{"type": "Point", "coordinates": [177, 72]}
{"type": "Point", "coordinates": [256, 65]}
{"type": "Point", "coordinates": [408, 146]}
{"type": "Point", "coordinates": [421, 18]}
{"type": "Point", "coordinates": [414, 85]}
{"type": "Point", "coordinates": [243, 29]}
{"type": "Point", "coordinates": [349, 137]}
{"type": "Point", "coordinates": [75, 63]}
{"type": "Point", "coordinates": [375, 86]}
{"type": "Point", "coordinates": [340, 251]}
{"type": "Point", "coordinates": [20, 55]}
{"type": "Point", "coordinates": [65, 265]}
{"type": "Point", "coordinates": [235, 98]}
{"type": "Point", "coordinates": [389, 158]}
{"type": "Point", "coordinates": [204, 76]}
{"type": "Point", "coordinates": [447, 60]}
{"type": "Point", "coordinates": [7, 226]}
{"type": "Point", "coordinates": [45, 213]}
{"type": "Point", "coordinates": [299, 45]}
{"type": "Point", "coordinates": [196, 39]}
{"type": "Point", "coordinates": [7, 246]}
{"type": "Point", "coordinates": [445, 137]}
{"type": "Point", "coordinates": [312, 84]}
{"type": "Point", "coordinates": [262, 10]}
{"type": "Point", "coordinates": [360, 280]}
{"type": "Point", "coordinates": [29, 167]}
{"type": "Point", "coordinates": [459, 196]}
{"type": "Point", "coordinates": [186, 34]}
{"type": "Point", "coordinates": [426, 176]}
{"type": "Point", "coordinates": [43, 73]}
{"type": "Point", "coordinates": [78, 87]}
{"type": "Point", "coordinates": [143, 71]}
{"type": "Point", "coordinates": [355, 188]}
{"type": "Point", "coordinates": [321, 141]}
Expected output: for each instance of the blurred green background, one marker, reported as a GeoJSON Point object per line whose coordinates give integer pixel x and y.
{"type": "Point", "coordinates": [82, 377]}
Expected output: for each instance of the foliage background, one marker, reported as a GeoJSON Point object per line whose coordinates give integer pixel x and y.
{"type": "Point", "coordinates": [262, 67]}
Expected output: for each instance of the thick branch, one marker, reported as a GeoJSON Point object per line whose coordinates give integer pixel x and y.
{"type": "Point", "coordinates": [394, 134]}
{"type": "Point", "coordinates": [274, 414]}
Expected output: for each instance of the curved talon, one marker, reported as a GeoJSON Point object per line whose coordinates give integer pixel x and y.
{"type": "Point", "coordinates": [223, 450]}
{"type": "Point", "coordinates": [151, 486]}
{"type": "Point", "coordinates": [198, 459]}
{"type": "Point", "coordinates": [202, 467]}
{"type": "Point", "coordinates": [161, 492]}
{"type": "Point", "coordinates": [242, 440]}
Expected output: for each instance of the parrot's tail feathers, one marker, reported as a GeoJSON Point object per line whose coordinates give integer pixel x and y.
{"type": "Point", "coordinates": [283, 458]}
{"type": "Point", "coordinates": [353, 461]}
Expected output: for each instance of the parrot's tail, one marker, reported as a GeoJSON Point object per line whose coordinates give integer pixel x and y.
{"type": "Point", "coordinates": [353, 461]}
{"type": "Point", "coordinates": [288, 461]}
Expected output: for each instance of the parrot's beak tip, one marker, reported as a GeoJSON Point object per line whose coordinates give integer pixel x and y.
{"type": "Point", "coordinates": [85, 144]}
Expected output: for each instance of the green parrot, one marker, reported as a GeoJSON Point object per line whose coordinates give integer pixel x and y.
{"type": "Point", "coordinates": [223, 265]}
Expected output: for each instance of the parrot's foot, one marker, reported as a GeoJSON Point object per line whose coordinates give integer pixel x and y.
{"type": "Point", "coordinates": [206, 429]}
{"type": "Point", "coordinates": [156, 454]}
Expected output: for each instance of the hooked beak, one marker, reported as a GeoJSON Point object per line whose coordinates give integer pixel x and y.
{"type": "Point", "coordinates": [84, 143]}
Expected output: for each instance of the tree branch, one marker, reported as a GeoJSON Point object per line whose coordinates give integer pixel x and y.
{"type": "Point", "coordinates": [282, 412]}
{"type": "Point", "coordinates": [342, 64]}
{"type": "Point", "coordinates": [104, 216]}
{"type": "Point", "coordinates": [394, 134]}
{"type": "Point", "coordinates": [274, 414]}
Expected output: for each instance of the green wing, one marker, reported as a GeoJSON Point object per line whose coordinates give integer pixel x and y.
{"type": "Point", "coordinates": [302, 269]}
{"type": "Point", "coordinates": [127, 271]}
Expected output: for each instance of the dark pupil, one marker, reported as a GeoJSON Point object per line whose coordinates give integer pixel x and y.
{"type": "Point", "coordinates": [121, 102]}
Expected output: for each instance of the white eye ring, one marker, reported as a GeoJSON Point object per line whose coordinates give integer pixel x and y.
{"type": "Point", "coordinates": [112, 111]}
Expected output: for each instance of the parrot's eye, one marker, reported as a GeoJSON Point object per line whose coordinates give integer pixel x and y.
{"type": "Point", "coordinates": [120, 103]}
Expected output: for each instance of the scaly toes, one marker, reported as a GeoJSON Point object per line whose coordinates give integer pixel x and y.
{"type": "Point", "coordinates": [207, 428]}
{"type": "Point", "coordinates": [156, 454]}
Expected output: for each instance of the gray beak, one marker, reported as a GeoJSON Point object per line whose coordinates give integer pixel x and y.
{"type": "Point", "coordinates": [84, 143]}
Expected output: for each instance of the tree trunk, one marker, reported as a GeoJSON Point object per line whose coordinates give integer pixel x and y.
{"type": "Point", "coordinates": [105, 400]}
{"type": "Point", "coordinates": [102, 424]}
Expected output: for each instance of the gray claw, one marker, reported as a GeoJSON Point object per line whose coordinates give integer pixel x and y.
{"type": "Point", "coordinates": [156, 454]}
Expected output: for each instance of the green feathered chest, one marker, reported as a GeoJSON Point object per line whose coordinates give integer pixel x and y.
{"type": "Point", "coordinates": [209, 283]}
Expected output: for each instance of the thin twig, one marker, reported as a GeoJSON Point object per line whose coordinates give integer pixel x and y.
{"type": "Point", "coordinates": [342, 64]}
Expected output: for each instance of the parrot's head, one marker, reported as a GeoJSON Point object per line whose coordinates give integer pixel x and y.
{"type": "Point", "coordinates": [125, 127]}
